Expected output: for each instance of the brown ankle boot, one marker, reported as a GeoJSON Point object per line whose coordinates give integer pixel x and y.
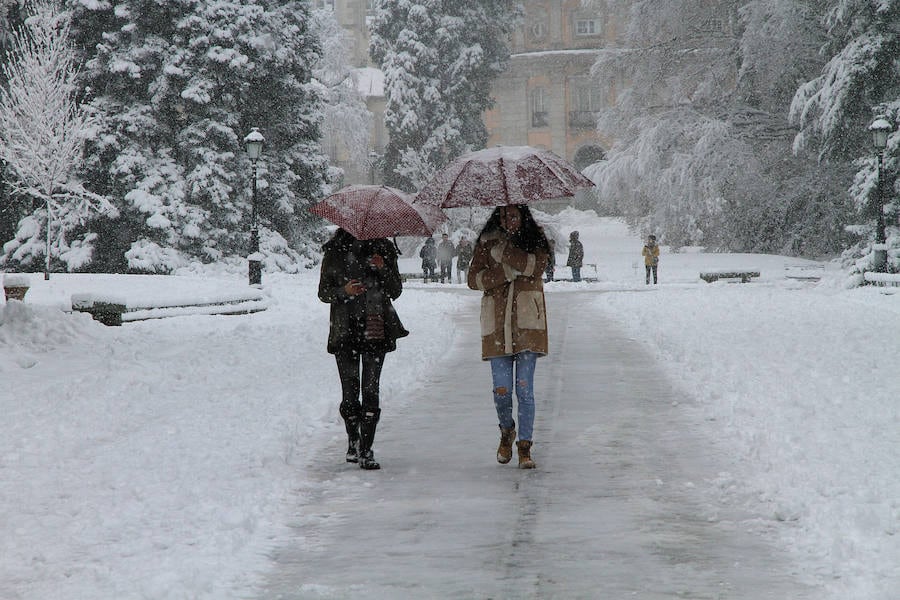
{"type": "Point", "coordinates": [524, 447]}
{"type": "Point", "coordinates": [504, 452]}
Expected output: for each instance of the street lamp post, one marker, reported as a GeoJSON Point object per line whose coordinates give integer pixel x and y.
{"type": "Point", "coordinates": [254, 143]}
{"type": "Point", "coordinates": [880, 129]}
{"type": "Point", "coordinates": [373, 164]}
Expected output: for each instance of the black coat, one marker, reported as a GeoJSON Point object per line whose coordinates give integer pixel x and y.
{"type": "Point", "coordinates": [347, 258]}
{"type": "Point", "coordinates": [428, 254]}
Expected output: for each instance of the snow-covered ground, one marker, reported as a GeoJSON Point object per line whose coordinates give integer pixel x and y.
{"type": "Point", "coordinates": [157, 460]}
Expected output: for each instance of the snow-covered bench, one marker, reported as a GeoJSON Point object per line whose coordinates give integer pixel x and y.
{"type": "Point", "coordinates": [744, 276]}
{"type": "Point", "coordinates": [884, 279]}
{"type": "Point", "coordinates": [804, 272]}
{"type": "Point", "coordinates": [114, 310]}
{"type": "Point", "coordinates": [588, 273]}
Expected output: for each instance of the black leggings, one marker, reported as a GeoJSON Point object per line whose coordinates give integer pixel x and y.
{"type": "Point", "coordinates": [348, 368]}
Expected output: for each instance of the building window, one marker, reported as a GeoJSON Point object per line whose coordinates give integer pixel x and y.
{"type": "Point", "coordinates": [586, 98]}
{"type": "Point", "coordinates": [371, 6]}
{"type": "Point", "coordinates": [538, 30]}
{"type": "Point", "coordinates": [587, 27]}
{"type": "Point", "coordinates": [585, 102]}
{"type": "Point", "coordinates": [538, 108]}
{"type": "Point", "coordinates": [326, 4]}
{"type": "Point", "coordinates": [709, 24]}
{"type": "Point", "coordinates": [714, 25]}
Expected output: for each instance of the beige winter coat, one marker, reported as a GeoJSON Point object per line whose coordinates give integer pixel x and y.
{"type": "Point", "coordinates": [513, 310]}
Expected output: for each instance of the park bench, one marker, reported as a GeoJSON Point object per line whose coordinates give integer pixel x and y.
{"type": "Point", "coordinates": [882, 279]}
{"type": "Point", "coordinates": [804, 272]}
{"type": "Point", "coordinates": [114, 311]}
{"type": "Point", "coordinates": [588, 273]}
{"type": "Point", "coordinates": [744, 276]}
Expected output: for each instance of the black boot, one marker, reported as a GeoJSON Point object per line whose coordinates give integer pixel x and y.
{"type": "Point", "coordinates": [352, 425]}
{"type": "Point", "coordinates": [350, 414]}
{"type": "Point", "coordinates": [367, 425]}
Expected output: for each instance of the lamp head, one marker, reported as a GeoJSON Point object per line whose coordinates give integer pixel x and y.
{"type": "Point", "coordinates": [880, 129]}
{"type": "Point", "coordinates": [254, 143]}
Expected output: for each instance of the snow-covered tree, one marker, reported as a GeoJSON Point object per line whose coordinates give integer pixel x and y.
{"type": "Point", "coordinates": [779, 46]}
{"type": "Point", "coordinates": [42, 135]}
{"type": "Point", "coordinates": [703, 151]}
{"type": "Point", "coordinates": [439, 58]}
{"type": "Point", "coordinates": [347, 122]}
{"type": "Point", "coordinates": [860, 80]}
{"type": "Point", "coordinates": [180, 84]}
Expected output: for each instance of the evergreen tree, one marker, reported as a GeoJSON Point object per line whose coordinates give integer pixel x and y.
{"type": "Point", "coordinates": [860, 81]}
{"type": "Point", "coordinates": [11, 209]}
{"type": "Point", "coordinates": [180, 83]}
{"type": "Point", "coordinates": [439, 58]}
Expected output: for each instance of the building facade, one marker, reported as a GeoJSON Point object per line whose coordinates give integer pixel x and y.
{"type": "Point", "coordinates": [547, 97]}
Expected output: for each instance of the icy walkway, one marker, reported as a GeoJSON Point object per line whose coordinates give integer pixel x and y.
{"type": "Point", "coordinates": [615, 509]}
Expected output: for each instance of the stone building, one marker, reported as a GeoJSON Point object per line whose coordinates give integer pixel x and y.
{"type": "Point", "coordinates": [547, 97]}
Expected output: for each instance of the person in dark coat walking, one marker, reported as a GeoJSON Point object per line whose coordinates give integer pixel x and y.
{"type": "Point", "coordinates": [428, 254]}
{"type": "Point", "coordinates": [359, 278]}
{"type": "Point", "coordinates": [551, 262]}
{"type": "Point", "coordinates": [463, 258]}
{"type": "Point", "coordinates": [576, 256]}
{"type": "Point", "coordinates": [445, 253]}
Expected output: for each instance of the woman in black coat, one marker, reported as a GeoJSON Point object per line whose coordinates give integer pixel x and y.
{"type": "Point", "coordinates": [359, 278]}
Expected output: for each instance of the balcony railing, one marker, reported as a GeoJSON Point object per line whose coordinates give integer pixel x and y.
{"type": "Point", "coordinates": [582, 119]}
{"type": "Point", "coordinates": [539, 119]}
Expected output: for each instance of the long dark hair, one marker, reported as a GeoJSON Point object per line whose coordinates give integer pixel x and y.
{"type": "Point", "coordinates": [342, 241]}
{"type": "Point", "coordinates": [529, 237]}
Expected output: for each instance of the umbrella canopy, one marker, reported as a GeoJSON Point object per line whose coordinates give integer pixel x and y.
{"type": "Point", "coordinates": [502, 175]}
{"type": "Point", "coordinates": [377, 211]}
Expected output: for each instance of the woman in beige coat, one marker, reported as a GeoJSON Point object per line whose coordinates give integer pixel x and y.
{"type": "Point", "coordinates": [508, 266]}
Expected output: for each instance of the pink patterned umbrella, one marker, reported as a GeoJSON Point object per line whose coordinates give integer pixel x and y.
{"type": "Point", "coordinates": [377, 211]}
{"type": "Point", "coordinates": [502, 175]}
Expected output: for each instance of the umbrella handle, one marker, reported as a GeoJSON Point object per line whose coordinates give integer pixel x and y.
{"type": "Point", "coordinates": [397, 247]}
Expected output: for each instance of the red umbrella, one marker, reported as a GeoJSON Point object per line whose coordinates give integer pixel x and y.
{"type": "Point", "coordinates": [502, 175]}
{"type": "Point", "coordinates": [377, 211]}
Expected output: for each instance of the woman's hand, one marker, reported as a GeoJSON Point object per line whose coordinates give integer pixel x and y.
{"type": "Point", "coordinates": [377, 261]}
{"type": "Point", "coordinates": [354, 287]}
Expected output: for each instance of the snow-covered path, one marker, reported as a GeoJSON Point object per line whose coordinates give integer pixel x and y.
{"type": "Point", "coordinates": [617, 508]}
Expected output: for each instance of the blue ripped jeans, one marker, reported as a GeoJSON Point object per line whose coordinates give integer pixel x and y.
{"type": "Point", "coordinates": [502, 372]}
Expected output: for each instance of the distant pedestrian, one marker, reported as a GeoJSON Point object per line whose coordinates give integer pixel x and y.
{"type": "Point", "coordinates": [651, 258]}
{"type": "Point", "coordinates": [551, 262]}
{"type": "Point", "coordinates": [576, 256]}
{"type": "Point", "coordinates": [428, 254]}
{"type": "Point", "coordinates": [463, 258]}
{"type": "Point", "coordinates": [508, 266]}
{"type": "Point", "coordinates": [445, 253]}
{"type": "Point", "coordinates": [359, 279]}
